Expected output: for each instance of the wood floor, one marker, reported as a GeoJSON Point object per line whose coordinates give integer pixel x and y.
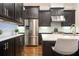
{"type": "Point", "coordinates": [32, 51]}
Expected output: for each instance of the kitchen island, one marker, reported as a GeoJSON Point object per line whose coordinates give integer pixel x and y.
{"type": "Point", "coordinates": [55, 36]}
{"type": "Point", "coordinates": [49, 40]}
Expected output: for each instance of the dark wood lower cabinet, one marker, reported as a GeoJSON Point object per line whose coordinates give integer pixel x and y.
{"type": "Point", "coordinates": [12, 47]}
{"type": "Point", "coordinates": [47, 50]}
{"type": "Point", "coordinates": [17, 50]}
{"type": "Point", "coordinates": [19, 45]}
{"type": "Point", "coordinates": [2, 49]}
{"type": "Point", "coordinates": [6, 48]}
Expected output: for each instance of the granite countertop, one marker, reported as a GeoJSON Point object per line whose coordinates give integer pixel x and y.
{"type": "Point", "coordinates": [9, 37]}
{"type": "Point", "coordinates": [57, 32]}
{"type": "Point", "coordinates": [54, 37]}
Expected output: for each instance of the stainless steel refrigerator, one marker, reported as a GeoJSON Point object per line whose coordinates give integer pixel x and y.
{"type": "Point", "coordinates": [31, 35]}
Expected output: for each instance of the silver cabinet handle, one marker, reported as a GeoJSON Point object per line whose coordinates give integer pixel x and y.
{"type": "Point", "coordinates": [7, 45]}
{"type": "Point", "coordinates": [5, 11]}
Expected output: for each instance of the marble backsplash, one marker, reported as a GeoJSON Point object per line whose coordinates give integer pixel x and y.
{"type": "Point", "coordinates": [7, 28]}
{"type": "Point", "coordinates": [50, 29]}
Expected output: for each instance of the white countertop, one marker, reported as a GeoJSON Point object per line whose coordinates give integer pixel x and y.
{"type": "Point", "coordinates": [54, 37]}
{"type": "Point", "coordinates": [9, 37]}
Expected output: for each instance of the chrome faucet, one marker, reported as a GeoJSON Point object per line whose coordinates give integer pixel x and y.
{"type": "Point", "coordinates": [73, 29]}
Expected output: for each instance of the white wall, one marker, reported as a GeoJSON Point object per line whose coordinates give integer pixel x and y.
{"type": "Point", "coordinates": [77, 17]}
{"type": "Point", "coordinates": [43, 6]}
{"type": "Point", "coordinates": [57, 5]}
{"type": "Point", "coordinates": [69, 6]}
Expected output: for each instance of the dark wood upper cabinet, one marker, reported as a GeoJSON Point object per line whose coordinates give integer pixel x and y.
{"type": "Point", "coordinates": [12, 12]}
{"type": "Point", "coordinates": [44, 18]}
{"type": "Point", "coordinates": [18, 10]}
{"type": "Point", "coordinates": [1, 8]}
{"type": "Point", "coordinates": [5, 9]}
{"type": "Point", "coordinates": [31, 12]}
{"type": "Point", "coordinates": [69, 17]}
{"type": "Point", "coordinates": [8, 10]}
{"type": "Point", "coordinates": [56, 11]}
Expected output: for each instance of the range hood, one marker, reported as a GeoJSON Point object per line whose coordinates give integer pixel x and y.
{"type": "Point", "coordinates": [57, 13]}
{"type": "Point", "coordinates": [58, 18]}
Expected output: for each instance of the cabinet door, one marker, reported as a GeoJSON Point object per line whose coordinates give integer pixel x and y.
{"type": "Point", "coordinates": [17, 46]}
{"type": "Point", "coordinates": [2, 49]}
{"type": "Point", "coordinates": [11, 10]}
{"type": "Point", "coordinates": [69, 18]}
{"type": "Point", "coordinates": [1, 8]}
{"type": "Point", "coordinates": [18, 12]}
{"type": "Point", "coordinates": [7, 48]}
{"type": "Point", "coordinates": [21, 42]}
{"type": "Point", "coordinates": [8, 10]}
{"type": "Point", "coordinates": [32, 12]}
{"type": "Point", "coordinates": [10, 46]}
{"type": "Point", "coordinates": [44, 18]}
{"type": "Point", "coordinates": [5, 9]}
